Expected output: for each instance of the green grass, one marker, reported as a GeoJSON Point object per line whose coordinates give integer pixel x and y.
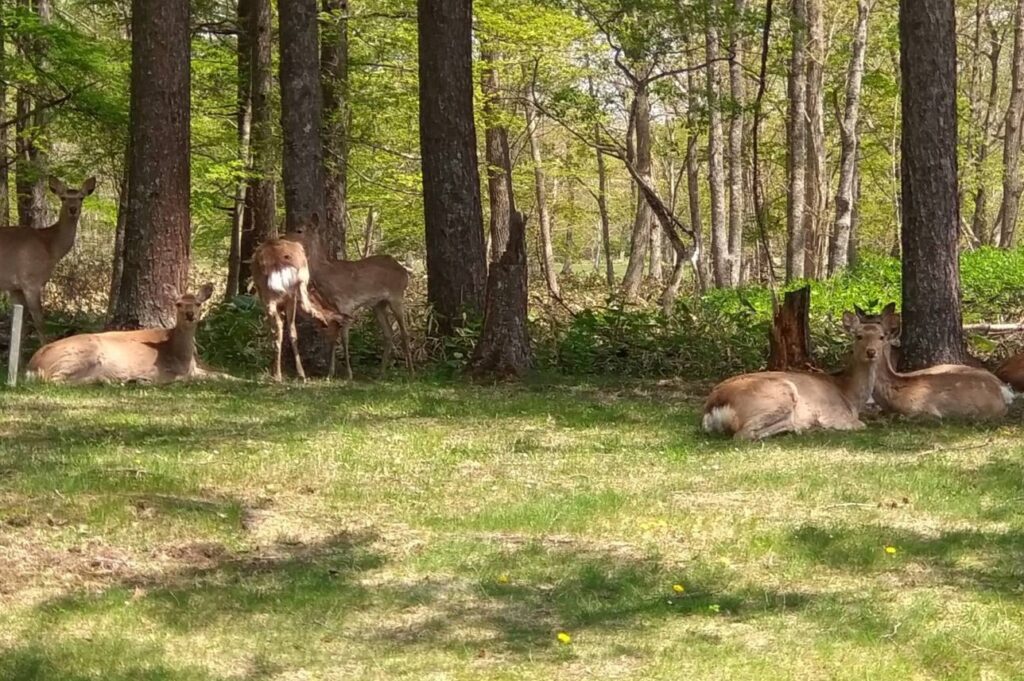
{"type": "Point", "coordinates": [423, 530]}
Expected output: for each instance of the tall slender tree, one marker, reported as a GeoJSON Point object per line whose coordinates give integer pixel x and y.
{"type": "Point", "coordinates": [5, 198]}
{"type": "Point", "coordinates": [456, 261]}
{"type": "Point", "coordinates": [243, 126]}
{"type": "Point", "coordinates": [796, 155]}
{"type": "Point", "coordinates": [157, 230]}
{"type": "Point", "coordinates": [30, 168]}
{"type": "Point", "coordinates": [816, 183]}
{"type": "Point", "coordinates": [334, 78]}
{"type": "Point", "coordinates": [737, 193]}
{"type": "Point", "coordinates": [496, 153]}
{"type": "Point", "coordinates": [640, 154]}
{"type": "Point", "coordinates": [932, 331]}
{"type": "Point", "coordinates": [721, 262]}
{"type": "Point", "coordinates": [1014, 120]}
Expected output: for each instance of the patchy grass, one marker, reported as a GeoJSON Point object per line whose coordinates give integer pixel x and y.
{"type": "Point", "coordinates": [423, 530]}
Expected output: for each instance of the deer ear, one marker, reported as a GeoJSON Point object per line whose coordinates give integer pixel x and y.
{"type": "Point", "coordinates": [891, 321]}
{"type": "Point", "coordinates": [171, 291]}
{"type": "Point", "coordinates": [859, 312]}
{"type": "Point", "coordinates": [850, 322]}
{"type": "Point", "coordinates": [89, 186]}
{"type": "Point", "coordinates": [204, 293]}
{"type": "Point", "coordinates": [56, 186]}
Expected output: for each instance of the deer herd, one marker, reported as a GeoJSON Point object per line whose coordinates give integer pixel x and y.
{"type": "Point", "coordinates": [292, 273]}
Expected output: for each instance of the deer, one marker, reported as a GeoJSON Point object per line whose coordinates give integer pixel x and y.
{"type": "Point", "coordinates": [28, 256]}
{"type": "Point", "coordinates": [942, 391]}
{"type": "Point", "coordinates": [348, 286]}
{"type": "Point", "coordinates": [757, 405]}
{"type": "Point", "coordinates": [280, 273]}
{"type": "Point", "coordinates": [147, 355]}
{"type": "Point", "coordinates": [1011, 371]}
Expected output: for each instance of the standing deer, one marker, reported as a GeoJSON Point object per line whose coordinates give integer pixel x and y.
{"type": "Point", "coordinates": [755, 406]}
{"type": "Point", "coordinates": [348, 286]}
{"type": "Point", "coordinates": [280, 272]}
{"type": "Point", "coordinates": [946, 390]}
{"type": "Point", "coordinates": [28, 256]}
{"type": "Point", "coordinates": [148, 355]}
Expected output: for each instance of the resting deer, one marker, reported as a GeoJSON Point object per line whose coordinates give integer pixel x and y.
{"type": "Point", "coordinates": [1012, 371]}
{"type": "Point", "coordinates": [754, 406]}
{"type": "Point", "coordinates": [280, 272]}
{"type": "Point", "coordinates": [148, 355]}
{"type": "Point", "coordinates": [943, 391]}
{"type": "Point", "coordinates": [348, 286]}
{"type": "Point", "coordinates": [28, 256]}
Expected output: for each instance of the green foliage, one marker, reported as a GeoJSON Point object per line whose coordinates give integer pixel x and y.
{"type": "Point", "coordinates": [234, 337]}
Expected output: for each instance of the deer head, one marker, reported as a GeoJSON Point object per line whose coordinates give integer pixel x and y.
{"type": "Point", "coordinates": [71, 199]}
{"type": "Point", "coordinates": [187, 305]}
{"type": "Point", "coordinates": [869, 337]}
{"type": "Point", "coordinates": [306, 233]}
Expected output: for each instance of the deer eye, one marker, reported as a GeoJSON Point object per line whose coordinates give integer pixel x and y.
{"type": "Point", "coordinates": [860, 336]}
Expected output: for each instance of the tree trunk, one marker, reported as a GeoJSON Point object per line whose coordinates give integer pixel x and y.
{"type": "Point", "coordinates": [117, 261]}
{"type": "Point", "coordinates": [1012, 140]}
{"type": "Point", "coordinates": [547, 250]}
{"type": "Point", "coordinates": [5, 197]}
{"type": "Point", "coordinates": [721, 262]}
{"type": "Point", "coordinates": [815, 186]}
{"type": "Point", "coordinates": [456, 259]}
{"type": "Point", "coordinates": [334, 83]}
{"type": "Point", "coordinates": [30, 168]}
{"type": "Point", "coordinates": [497, 154]}
{"type": "Point", "coordinates": [839, 250]}
{"type": "Point", "coordinates": [737, 87]}
{"type": "Point", "coordinates": [301, 115]}
{"type": "Point", "coordinates": [243, 120]}
{"type": "Point", "coordinates": [641, 234]}
{"type": "Point", "coordinates": [157, 231]}
{"type": "Point", "coordinates": [932, 330]}
{"type": "Point", "coordinates": [693, 184]}
{"type": "Point", "coordinates": [982, 124]}
{"type": "Point", "coordinates": [789, 340]}
{"type": "Point", "coordinates": [602, 209]}
{"type": "Point", "coordinates": [796, 158]}
{"type": "Point", "coordinates": [261, 195]}
{"type": "Point", "coordinates": [657, 252]}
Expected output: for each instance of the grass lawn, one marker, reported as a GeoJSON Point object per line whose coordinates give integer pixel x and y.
{"type": "Point", "coordinates": [425, 530]}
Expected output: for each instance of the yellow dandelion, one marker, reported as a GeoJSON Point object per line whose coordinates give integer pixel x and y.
{"type": "Point", "coordinates": [503, 578]}
{"type": "Point", "coordinates": [891, 550]}
{"type": "Point", "coordinates": [564, 637]}
{"type": "Point", "coordinates": [678, 588]}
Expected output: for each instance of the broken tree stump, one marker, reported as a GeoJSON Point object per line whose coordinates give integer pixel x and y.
{"type": "Point", "coordinates": [789, 340]}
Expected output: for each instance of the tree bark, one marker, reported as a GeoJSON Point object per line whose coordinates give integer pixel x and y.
{"type": "Point", "coordinates": [302, 115]}
{"type": "Point", "coordinates": [931, 276]}
{"type": "Point", "coordinates": [602, 209]}
{"type": "Point", "coordinates": [839, 250]}
{"type": "Point", "coordinates": [5, 197]}
{"type": "Point", "coordinates": [693, 183]}
{"type": "Point", "coordinates": [796, 158]}
{"type": "Point", "coordinates": [456, 260]}
{"type": "Point", "coordinates": [261, 195]}
{"type": "Point", "coordinates": [496, 153]}
{"type": "Point", "coordinates": [30, 168]}
{"type": "Point", "coordinates": [243, 120]}
{"type": "Point", "coordinates": [334, 83]}
{"type": "Point", "coordinates": [157, 231]}
{"type": "Point", "coordinates": [721, 261]}
{"type": "Point", "coordinates": [641, 158]}
{"type": "Point", "coordinates": [815, 186]}
{"type": "Point", "coordinates": [737, 87]}
{"type": "Point", "coordinates": [540, 190]}
{"type": "Point", "coordinates": [117, 261]}
{"type": "Point", "coordinates": [1012, 140]}
{"type": "Point", "coordinates": [789, 339]}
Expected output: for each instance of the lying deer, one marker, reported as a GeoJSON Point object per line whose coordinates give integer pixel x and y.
{"type": "Point", "coordinates": [755, 406]}
{"type": "Point", "coordinates": [148, 355]}
{"type": "Point", "coordinates": [347, 286]}
{"type": "Point", "coordinates": [1012, 371]}
{"type": "Point", "coordinates": [942, 391]}
{"type": "Point", "coordinates": [28, 256]}
{"type": "Point", "coordinates": [280, 272]}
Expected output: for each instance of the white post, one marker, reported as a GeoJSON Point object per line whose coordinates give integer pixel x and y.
{"type": "Point", "coordinates": [12, 365]}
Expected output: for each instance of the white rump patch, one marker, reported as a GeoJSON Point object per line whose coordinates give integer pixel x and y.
{"type": "Point", "coordinates": [282, 280]}
{"type": "Point", "coordinates": [719, 419]}
{"type": "Point", "coordinates": [1008, 394]}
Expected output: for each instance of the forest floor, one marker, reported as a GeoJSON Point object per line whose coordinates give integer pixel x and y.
{"type": "Point", "coordinates": [428, 530]}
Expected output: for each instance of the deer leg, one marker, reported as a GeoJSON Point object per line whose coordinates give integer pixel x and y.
{"type": "Point", "coordinates": [293, 334]}
{"type": "Point", "coordinates": [764, 425]}
{"type": "Point", "coordinates": [380, 310]}
{"type": "Point", "coordinates": [275, 319]}
{"type": "Point", "coordinates": [398, 307]}
{"type": "Point", "coordinates": [32, 300]}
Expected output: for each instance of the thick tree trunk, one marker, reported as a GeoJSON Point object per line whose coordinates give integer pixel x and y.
{"type": "Point", "coordinates": [301, 114]}
{"type": "Point", "coordinates": [796, 157]}
{"type": "Point", "coordinates": [815, 186]}
{"type": "Point", "coordinates": [334, 82]}
{"type": "Point", "coordinates": [1012, 140]}
{"type": "Point", "coordinates": [243, 120]}
{"type": "Point", "coordinates": [497, 154]}
{"type": "Point", "coordinates": [261, 195]}
{"type": "Point", "coordinates": [721, 262]}
{"type": "Point", "coordinates": [540, 190]}
{"type": "Point", "coordinates": [789, 340]}
{"type": "Point", "coordinates": [641, 158]}
{"type": "Point", "coordinates": [157, 232]}
{"type": "Point", "coordinates": [931, 277]}
{"type": "Point", "coordinates": [737, 207]}
{"type": "Point", "coordinates": [456, 260]}
{"type": "Point", "coordinates": [30, 168]}
{"type": "Point", "coordinates": [839, 250]}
